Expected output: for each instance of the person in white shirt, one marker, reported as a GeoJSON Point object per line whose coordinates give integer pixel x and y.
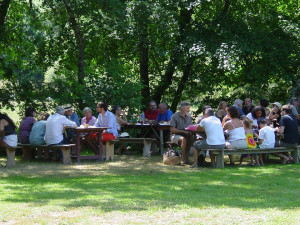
{"type": "Point", "coordinates": [215, 139]}
{"type": "Point", "coordinates": [55, 127]}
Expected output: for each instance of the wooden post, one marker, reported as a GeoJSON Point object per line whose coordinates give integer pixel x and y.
{"type": "Point", "coordinates": [147, 148]}
{"type": "Point", "coordinates": [10, 156]}
{"type": "Point", "coordinates": [66, 151]}
{"type": "Point", "coordinates": [110, 150]}
{"type": "Point", "coordinates": [220, 160]}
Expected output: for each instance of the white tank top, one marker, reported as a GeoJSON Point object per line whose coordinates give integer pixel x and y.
{"type": "Point", "coordinates": [237, 133]}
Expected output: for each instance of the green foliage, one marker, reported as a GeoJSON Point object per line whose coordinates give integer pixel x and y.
{"type": "Point", "coordinates": [241, 48]}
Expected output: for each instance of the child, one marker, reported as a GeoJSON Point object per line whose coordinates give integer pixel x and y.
{"type": "Point", "coordinates": [250, 140]}
{"type": "Point", "coordinates": [266, 137]}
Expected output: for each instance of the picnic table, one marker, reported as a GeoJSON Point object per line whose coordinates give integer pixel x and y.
{"type": "Point", "coordinates": [156, 128]}
{"type": "Point", "coordinates": [83, 130]}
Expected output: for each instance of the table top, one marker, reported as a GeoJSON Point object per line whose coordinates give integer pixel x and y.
{"type": "Point", "coordinates": [90, 129]}
{"type": "Point", "coordinates": [145, 126]}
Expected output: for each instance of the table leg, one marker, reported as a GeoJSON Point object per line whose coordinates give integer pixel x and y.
{"type": "Point", "coordinates": [100, 146]}
{"type": "Point", "coordinates": [78, 147]}
{"type": "Point", "coordinates": [161, 134]}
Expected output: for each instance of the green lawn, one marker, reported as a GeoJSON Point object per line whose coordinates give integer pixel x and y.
{"type": "Point", "coordinates": [136, 190]}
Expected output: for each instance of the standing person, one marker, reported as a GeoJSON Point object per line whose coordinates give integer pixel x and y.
{"type": "Point", "coordinates": [238, 103]}
{"type": "Point", "coordinates": [248, 106]}
{"type": "Point", "coordinates": [26, 125]}
{"type": "Point", "coordinates": [164, 114]}
{"type": "Point", "coordinates": [250, 141]}
{"type": "Point", "coordinates": [294, 102]}
{"type": "Point", "coordinates": [288, 126]}
{"type": "Point", "coordinates": [235, 130]}
{"type": "Point", "coordinates": [151, 113]}
{"type": "Point", "coordinates": [8, 136]}
{"type": "Point", "coordinates": [179, 135]}
{"type": "Point", "coordinates": [37, 134]}
{"type": "Point", "coordinates": [212, 126]}
{"type": "Point", "coordinates": [88, 119]}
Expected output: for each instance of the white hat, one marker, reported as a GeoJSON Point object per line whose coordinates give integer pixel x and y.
{"type": "Point", "coordinates": [277, 104]}
{"type": "Point", "coordinates": [68, 107]}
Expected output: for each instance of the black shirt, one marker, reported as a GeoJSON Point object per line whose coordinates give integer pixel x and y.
{"type": "Point", "coordinates": [290, 124]}
{"type": "Point", "coordinates": [246, 111]}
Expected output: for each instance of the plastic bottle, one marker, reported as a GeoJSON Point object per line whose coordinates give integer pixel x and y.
{"type": "Point", "coordinates": [142, 118]}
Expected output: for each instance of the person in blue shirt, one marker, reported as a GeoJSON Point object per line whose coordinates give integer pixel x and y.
{"type": "Point", "coordinates": [164, 113]}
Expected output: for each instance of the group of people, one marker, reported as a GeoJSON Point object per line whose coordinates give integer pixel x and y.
{"type": "Point", "coordinates": [237, 126]}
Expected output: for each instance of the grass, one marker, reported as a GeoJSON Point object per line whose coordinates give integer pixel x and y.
{"type": "Point", "coordinates": [136, 190]}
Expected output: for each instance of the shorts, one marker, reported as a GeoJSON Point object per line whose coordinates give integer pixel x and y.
{"type": "Point", "coordinates": [237, 144]}
{"type": "Point", "coordinates": [11, 140]}
{"type": "Point", "coordinates": [175, 138]}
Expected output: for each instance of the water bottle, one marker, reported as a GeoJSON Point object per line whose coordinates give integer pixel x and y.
{"type": "Point", "coordinates": [142, 118]}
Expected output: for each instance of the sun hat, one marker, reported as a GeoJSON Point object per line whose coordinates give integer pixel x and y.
{"type": "Point", "coordinates": [68, 107]}
{"type": "Point", "coordinates": [277, 104]}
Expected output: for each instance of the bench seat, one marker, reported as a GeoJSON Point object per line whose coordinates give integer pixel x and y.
{"type": "Point", "coordinates": [146, 141]}
{"type": "Point", "coordinates": [219, 153]}
{"type": "Point", "coordinates": [66, 151]}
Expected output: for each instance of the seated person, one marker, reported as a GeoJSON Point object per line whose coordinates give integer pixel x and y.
{"type": "Point", "coordinates": [179, 135]}
{"type": "Point", "coordinates": [26, 125]}
{"type": "Point", "coordinates": [55, 126]}
{"type": "Point", "coordinates": [294, 103]}
{"type": "Point", "coordinates": [235, 130]}
{"type": "Point", "coordinates": [238, 103]}
{"type": "Point", "coordinates": [105, 119]}
{"type": "Point", "coordinates": [265, 103]}
{"type": "Point", "coordinates": [288, 126]}
{"type": "Point", "coordinates": [152, 113]}
{"type": "Point", "coordinates": [71, 135]}
{"type": "Point", "coordinates": [221, 112]}
{"type": "Point", "coordinates": [121, 120]}
{"type": "Point", "coordinates": [203, 112]}
{"type": "Point", "coordinates": [257, 112]}
{"type": "Point", "coordinates": [266, 137]}
{"type": "Point", "coordinates": [37, 134]}
{"type": "Point", "coordinates": [88, 119]}
{"type": "Point", "coordinates": [248, 106]}
{"type": "Point", "coordinates": [212, 126]}
{"type": "Point", "coordinates": [164, 114]}
{"type": "Point", "coordinates": [8, 136]}
{"type": "Point", "coordinates": [275, 115]}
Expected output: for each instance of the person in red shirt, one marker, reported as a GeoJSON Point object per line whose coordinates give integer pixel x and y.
{"type": "Point", "coordinates": [152, 113]}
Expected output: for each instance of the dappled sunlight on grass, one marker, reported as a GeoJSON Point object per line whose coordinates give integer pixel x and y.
{"type": "Point", "coordinates": [142, 186]}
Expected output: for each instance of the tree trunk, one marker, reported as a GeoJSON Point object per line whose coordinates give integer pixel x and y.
{"type": "Point", "coordinates": [4, 5]}
{"type": "Point", "coordinates": [183, 80]}
{"type": "Point", "coordinates": [144, 60]}
{"type": "Point", "coordinates": [80, 43]}
{"type": "Point", "coordinates": [166, 80]}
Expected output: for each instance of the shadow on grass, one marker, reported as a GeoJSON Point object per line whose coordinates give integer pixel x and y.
{"type": "Point", "coordinates": [269, 187]}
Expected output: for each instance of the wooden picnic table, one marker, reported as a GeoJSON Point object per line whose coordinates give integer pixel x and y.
{"type": "Point", "coordinates": [152, 127]}
{"type": "Point", "coordinates": [83, 130]}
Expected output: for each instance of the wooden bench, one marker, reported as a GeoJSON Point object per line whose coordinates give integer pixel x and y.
{"type": "Point", "coordinates": [146, 141]}
{"type": "Point", "coordinates": [219, 153]}
{"type": "Point", "coordinates": [11, 152]}
{"type": "Point", "coordinates": [66, 151]}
